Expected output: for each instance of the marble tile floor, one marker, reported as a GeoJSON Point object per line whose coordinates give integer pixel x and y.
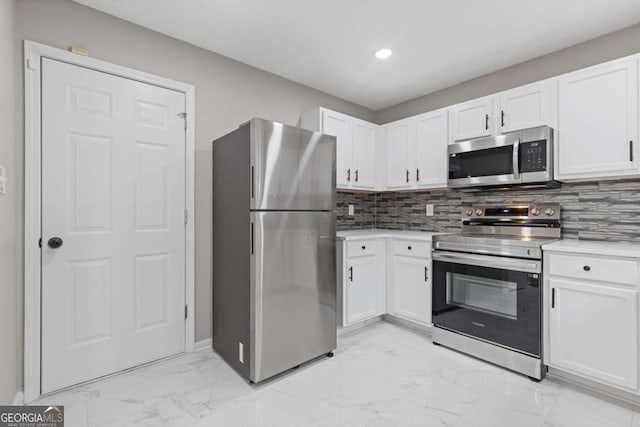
{"type": "Point", "coordinates": [383, 375]}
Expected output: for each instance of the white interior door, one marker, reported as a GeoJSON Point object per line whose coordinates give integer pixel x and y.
{"type": "Point", "coordinates": [113, 189]}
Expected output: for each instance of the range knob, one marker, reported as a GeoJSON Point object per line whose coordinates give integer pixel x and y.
{"type": "Point", "coordinates": [479, 211]}
{"type": "Point", "coordinates": [549, 211]}
{"type": "Point", "coordinates": [469, 212]}
{"type": "Point", "coordinates": [535, 211]}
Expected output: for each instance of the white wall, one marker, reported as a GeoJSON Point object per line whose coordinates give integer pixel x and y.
{"type": "Point", "coordinates": [227, 93]}
{"type": "Point", "coordinates": [9, 226]}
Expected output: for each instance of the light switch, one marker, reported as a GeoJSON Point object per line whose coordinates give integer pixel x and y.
{"type": "Point", "coordinates": [351, 210]}
{"type": "Point", "coordinates": [3, 180]}
{"type": "Point", "coordinates": [429, 209]}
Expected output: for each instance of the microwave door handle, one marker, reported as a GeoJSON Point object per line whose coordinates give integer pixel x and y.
{"type": "Point", "coordinates": [516, 159]}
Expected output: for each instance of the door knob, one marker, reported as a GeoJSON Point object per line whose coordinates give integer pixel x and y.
{"type": "Point", "coordinates": [55, 242]}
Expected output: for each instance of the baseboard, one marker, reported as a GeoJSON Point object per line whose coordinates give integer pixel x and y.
{"type": "Point", "coordinates": [408, 324]}
{"type": "Point", "coordinates": [593, 387]}
{"type": "Point", "coordinates": [205, 344]}
{"type": "Point", "coordinates": [364, 323]}
{"type": "Point", "coordinates": [19, 399]}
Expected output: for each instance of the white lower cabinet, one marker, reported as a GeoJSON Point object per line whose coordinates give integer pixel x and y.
{"type": "Point", "coordinates": [592, 325]}
{"type": "Point", "coordinates": [385, 276]}
{"type": "Point", "coordinates": [363, 274]}
{"type": "Point", "coordinates": [409, 288]}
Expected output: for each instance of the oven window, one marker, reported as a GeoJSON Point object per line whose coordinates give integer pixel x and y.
{"type": "Point", "coordinates": [499, 297]}
{"type": "Point", "coordinates": [492, 161]}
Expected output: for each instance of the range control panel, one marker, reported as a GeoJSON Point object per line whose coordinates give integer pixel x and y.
{"type": "Point", "coordinates": [512, 212]}
{"type": "Point", "coordinates": [533, 156]}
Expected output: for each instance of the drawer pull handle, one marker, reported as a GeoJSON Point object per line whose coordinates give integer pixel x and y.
{"type": "Point", "coordinates": [586, 268]}
{"type": "Point", "coordinates": [351, 274]}
{"type": "Point", "coordinates": [364, 247]}
{"type": "Point", "coordinates": [409, 247]}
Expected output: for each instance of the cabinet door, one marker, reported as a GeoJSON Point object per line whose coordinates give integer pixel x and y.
{"type": "Point", "coordinates": [364, 136]}
{"type": "Point", "coordinates": [524, 107]}
{"type": "Point", "coordinates": [361, 289]}
{"type": "Point", "coordinates": [598, 122]}
{"type": "Point", "coordinates": [430, 149]}
{"type": "Point", "coordinates": [410, 293]}
{"type": "Point", "coordinates": [593, 331]}
{"type": "Point", "coordinates": [472, 119]}
{"type": "Point", "coordinates": [398, 145]}
{"type": "Point", "coordinates": [340, 126]}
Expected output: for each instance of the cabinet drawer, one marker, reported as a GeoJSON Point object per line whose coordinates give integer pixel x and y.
{"type": "Point", "coordinates": [361, 248]}
{"type": "Point", "coordinates": [410, 248]}
{"type": "Point", "coordinates": [590, 268]}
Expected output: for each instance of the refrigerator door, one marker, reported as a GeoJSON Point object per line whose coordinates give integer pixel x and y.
{"type": "Point", "coordinates": [291, 168]}
{"type": "Point", "coordinates": [293, 290]}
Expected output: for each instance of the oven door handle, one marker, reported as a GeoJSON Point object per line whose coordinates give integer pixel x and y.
{"type": "Point", "coordinates": [489, 261]}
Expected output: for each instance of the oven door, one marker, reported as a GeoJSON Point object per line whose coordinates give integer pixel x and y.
{"type": "Point", "coordinates": [493, 298]}
{"type": "Point", "coordinates": [486, 161]}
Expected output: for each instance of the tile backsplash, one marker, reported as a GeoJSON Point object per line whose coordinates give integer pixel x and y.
{"type": "Point", "coordinates": [604, 210]}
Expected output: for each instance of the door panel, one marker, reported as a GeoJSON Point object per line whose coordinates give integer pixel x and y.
{"type": "Point", "coordinates": [525, 107]}
{"type": "Point", "coordinates": [113, 188]}
{"type": "Point", "coordinates": [364, 155]}
{"type": "Point", "coordinates": [472, 119]}
{"type": "Point", "coordinates": [341, 126]}
{"type": "Point", "coordinates": [293, 168]}
{"type": "Point", "coordinates": [294, 295]}
{"type": "Point", "coordinates": [362, 289]}
{"type": "Point", "coordinates": [598, 121]}
{"type": "Point", "coordinates": [398, 146]}
{"type": "Point", "coordinates": [594, 331]}
{"type": "Point", "coordinates": [411, 289]}
{"type": "Point", "coordinates": [431, 150]}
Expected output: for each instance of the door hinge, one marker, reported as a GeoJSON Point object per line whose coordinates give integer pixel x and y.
{"type": "Point", "coordinates": [186, 217]}
{"type": "Point", "coordinates": [184, 116]}
{"type": "Point", "coordinates": [31, 64]}
{"type": "Point", "coordinates": [186, 311]}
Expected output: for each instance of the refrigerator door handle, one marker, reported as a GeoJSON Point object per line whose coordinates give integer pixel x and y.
{"type": "Point", "coordinates": [252, 238]}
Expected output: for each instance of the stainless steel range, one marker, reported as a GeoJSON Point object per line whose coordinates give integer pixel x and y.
{"type": "Point", "coordinates": [487, 284]}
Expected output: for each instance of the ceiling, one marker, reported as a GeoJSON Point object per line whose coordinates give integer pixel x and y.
{"type": "Point", "coordinates": [329, 44]}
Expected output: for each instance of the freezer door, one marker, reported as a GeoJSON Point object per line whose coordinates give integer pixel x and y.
{"type": "Point", "coordinates": [291, 168]}
{"type": "Point", "coordinates": [293, 290]}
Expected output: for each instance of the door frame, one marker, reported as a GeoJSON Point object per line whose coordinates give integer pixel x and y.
{"type": "Point", "coordinates": [33, 53]}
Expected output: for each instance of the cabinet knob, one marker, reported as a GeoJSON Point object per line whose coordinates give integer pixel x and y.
{"type": "Point", "coordinates": [586, 268]}
{"type": "Point", "coordinates": [364, 247]}
{"type": "Point", "coordinates": [409, 247]}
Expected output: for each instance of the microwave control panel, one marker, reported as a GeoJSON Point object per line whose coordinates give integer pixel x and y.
{"type": "Point", "coordinates": [533, 156]}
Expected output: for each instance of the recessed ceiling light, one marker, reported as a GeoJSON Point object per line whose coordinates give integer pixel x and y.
{"type": "Point", "coordinates": [383, 53]}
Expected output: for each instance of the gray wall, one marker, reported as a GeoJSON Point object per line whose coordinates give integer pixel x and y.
{"type": "Point", "coordinates": [9, 349]}
{"type": "Point", "coordinates": [227, 94]}
{"type": "Point", "coordinates": [610, 46]}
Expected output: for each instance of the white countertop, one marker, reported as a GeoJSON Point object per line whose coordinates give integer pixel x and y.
{"type": "Point", "coordinates": [377, 233]}
{"type": "Point", "coordinates": [629, 250]}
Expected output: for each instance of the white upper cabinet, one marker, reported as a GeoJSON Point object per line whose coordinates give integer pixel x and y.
{"type": "Point", "coordinates": [472, 119]}
{"type": "Point", "coordinates": [417, 151]}
{"type": "Point", "coordinates": [398, 137]}
{"type": "Point", "coordinates": [525, 107]}
{"type": "Point", "coordinates": [430, 149]}
{"type": "Point", "coordinates": [364, 140]}
{"type": "Point", "coordinates": [355, 149]}
{"type": "Point", "coordinates": [340, 126]}
{"type": "Point", "coordinates": [598, 122]}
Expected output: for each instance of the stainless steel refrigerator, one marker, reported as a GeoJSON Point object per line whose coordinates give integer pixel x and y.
{"type": "Point", "coordinates": [274, 254]}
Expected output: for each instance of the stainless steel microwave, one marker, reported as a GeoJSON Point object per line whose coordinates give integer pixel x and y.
{"type": "Point", "coordinates": [516, 158]}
